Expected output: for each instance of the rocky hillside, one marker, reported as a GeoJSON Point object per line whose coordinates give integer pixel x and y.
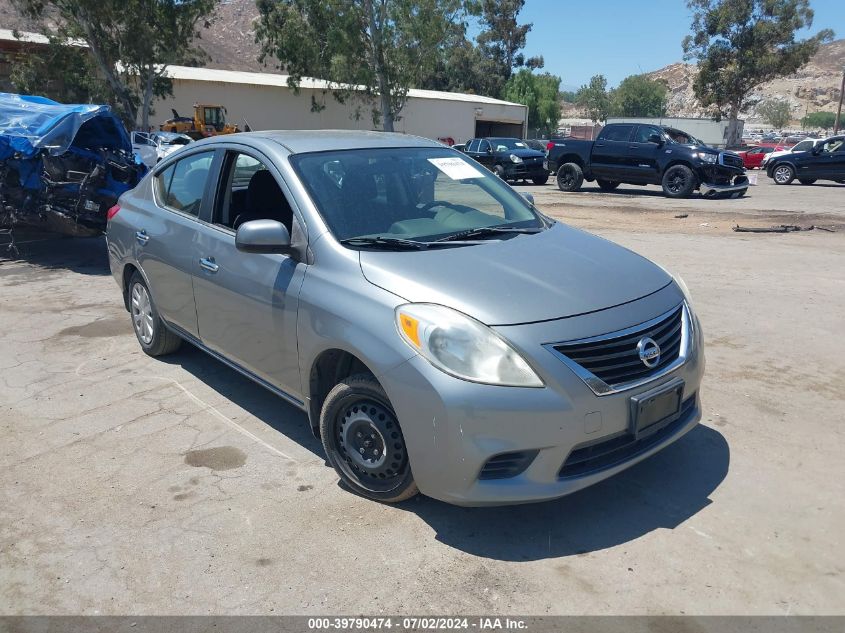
{"type": "Point", "coordinates": [813, 88]}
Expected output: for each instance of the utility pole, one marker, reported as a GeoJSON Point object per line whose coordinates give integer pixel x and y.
{"type": "Point", "coordinates": [839, 109]}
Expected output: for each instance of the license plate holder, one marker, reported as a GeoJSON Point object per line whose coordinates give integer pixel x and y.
{"type": "Point", "coordinates": [655, 409]}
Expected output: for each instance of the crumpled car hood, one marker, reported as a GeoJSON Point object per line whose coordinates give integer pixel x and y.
{"type": "Point", "coordinates": [554, 274]}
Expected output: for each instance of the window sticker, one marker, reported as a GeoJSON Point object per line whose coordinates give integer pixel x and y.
{"type": "Point", "coordinates": [456, 168]}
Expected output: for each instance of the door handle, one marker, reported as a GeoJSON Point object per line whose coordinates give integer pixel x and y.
{"type": "Point", "coordinates": [142, 237]}
{"type": "Point", "coordinates": [207, 263]}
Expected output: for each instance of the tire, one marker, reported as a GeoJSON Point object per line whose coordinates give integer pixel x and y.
{"type": "Point", "coordinates": [357, 416]}
{"type": "Point", "coordinates": [569, 177]}
{"type": "Point", "coordinates": [806, 181]}
{"type": "Point", "coordinates": [679, 182]}
{"type": "Point", "coordinates": [152, 334]}
{"type": "Point", "coordinates": [499, 171]}
{"type": "Point", "coordinates": [607, 185]}
{"type": "Point", "coordinates": [783, 174]}
{"type": "Point", "coordinates": [542, 180]}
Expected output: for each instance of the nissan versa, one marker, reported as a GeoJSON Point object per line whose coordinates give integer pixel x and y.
{"type": "Point", "coordinates": [442, 335]}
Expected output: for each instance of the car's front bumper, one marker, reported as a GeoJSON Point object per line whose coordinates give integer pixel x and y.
{"type": "Point", "coordinates": [523, 170]}
{"type": "Point", "coordinates": [453, 427]}
{"type": "Point", "coordinates": [738, 184]}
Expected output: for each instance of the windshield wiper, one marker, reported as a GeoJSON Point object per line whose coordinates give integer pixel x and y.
{"type": "Point", "coordinates": [486, 231]}
{"type": "Point", "coordinates": [384, 242]}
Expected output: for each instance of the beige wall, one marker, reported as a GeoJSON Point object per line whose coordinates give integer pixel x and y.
{"type": "Point", "coordinates": [274, 107]}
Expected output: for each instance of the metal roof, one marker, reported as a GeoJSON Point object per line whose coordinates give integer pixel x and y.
{"type": "Point", "coordinates": [272, 79]}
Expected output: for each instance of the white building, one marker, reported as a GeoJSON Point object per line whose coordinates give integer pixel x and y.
{"type": "Point", "coordinates": [266, 102]}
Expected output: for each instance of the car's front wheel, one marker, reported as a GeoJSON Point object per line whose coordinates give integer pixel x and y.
{"type": "Point", "coordinates": [679, 182]}
{"type": "Point", "coordinates": [783, 174]}
{"type": "Point", "coordinates": [363, 440]}
{"type": "Point", "coordinates": [540, 180]}
{"type": "Point", "coordinates": [152, 334]}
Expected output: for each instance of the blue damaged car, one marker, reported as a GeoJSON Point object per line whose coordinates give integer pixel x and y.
{"type": "Point", "coordinates": [62, 166]}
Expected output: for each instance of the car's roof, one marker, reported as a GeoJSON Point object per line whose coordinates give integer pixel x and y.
{"type": "Point", "coordinates": [300, 141]}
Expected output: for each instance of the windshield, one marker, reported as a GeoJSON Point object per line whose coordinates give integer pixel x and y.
{"type": "Point", "coordinates": [417, 194]}
{"type": "Point", "coordinates": [505, 144]}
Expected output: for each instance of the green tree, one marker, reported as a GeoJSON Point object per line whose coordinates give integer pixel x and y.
{"type": "Point", "coordinates": [594, 99]}
{"type": "Point", "coordinates": [778, 114]}
{"type": "Point", "coordinates": [130, 42]}
{"type": "Point", "coordinates": [639, 95]}
{"type": "Point", "coordinates": [482, 66]}
{"type": "Point", "coordinates": [540, 93]}
{"type": "Point", "coordinates": [819, 120]}
{"type": "Point", "coordinates": [568, 96]}
{"type": "Point", "coordinates": [741, 44]}
{"type": "Point", "coordinates": [501, 42]}
{"type": "Point", "coordinates": [59, 71]}
{"type": "Point", "coordinates": [370, 50]}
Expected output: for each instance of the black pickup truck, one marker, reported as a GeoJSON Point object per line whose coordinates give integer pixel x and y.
{"type": "Point", "coordinates": [639, 154]}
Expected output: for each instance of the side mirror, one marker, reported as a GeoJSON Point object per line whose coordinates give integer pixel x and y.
{"type": "Point", "coordinates": [489, 150]}
{"type": "Point", "coordinates": [529, 197]}
{"type": "Point", "coordinates": [263, 236]}
{"type": "Point", "coordinates": [655, 138]}
{"type": "Point", "coordinates": [817, 149]}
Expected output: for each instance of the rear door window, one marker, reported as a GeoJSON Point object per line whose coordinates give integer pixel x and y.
{"type": "Point", "coordinates": [182, 185]}
{"type": "Point", "coordinates": [644, 132]}
{"type": "Point", "coordinates": [616, 133]}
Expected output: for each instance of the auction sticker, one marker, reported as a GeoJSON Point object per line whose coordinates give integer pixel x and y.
{"type": "Point", "coordinates": [456, 168]}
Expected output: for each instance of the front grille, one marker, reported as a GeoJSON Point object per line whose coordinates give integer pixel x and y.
{"type": "Point", "coordinates": [507, 465]}
{"type": "Point", "coordinates": [731, 160]}
{"type": "Point", "coordinates": [615, 360]}
{"type": "Point", "coordinates": [623, 447]}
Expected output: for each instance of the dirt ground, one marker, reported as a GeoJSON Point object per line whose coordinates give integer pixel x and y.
{"type": "Point", "coordinates": [137, 486]}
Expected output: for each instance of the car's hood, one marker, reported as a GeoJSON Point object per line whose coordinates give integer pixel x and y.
{"type": "Point", "coordinates": [558, 273]}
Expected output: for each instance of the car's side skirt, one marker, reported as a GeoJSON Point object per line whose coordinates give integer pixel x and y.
{"type": "Point", "coordinates": [232, 364]}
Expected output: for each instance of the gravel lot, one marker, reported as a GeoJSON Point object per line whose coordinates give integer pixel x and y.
{"type": "Point", "coordinates": [133, 485]}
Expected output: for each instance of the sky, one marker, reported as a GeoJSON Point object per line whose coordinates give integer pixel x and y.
{"type": "Point", "coordinates": [617, 38]}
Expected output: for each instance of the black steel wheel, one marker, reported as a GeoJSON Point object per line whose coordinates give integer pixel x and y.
{"type": "Point", "coordinates": [679, 182]}
{"type": "Point", "coordinates": [540, 180]}
{"type": "Point", "coordinates": [364, 442]}
{"type": "Point", "coordinates": [569, 177]}
{"type": "Point", "coordinates": [607, 185]}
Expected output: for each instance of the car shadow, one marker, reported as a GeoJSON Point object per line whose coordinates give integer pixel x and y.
{"type": "Point", "coordinates": [247, 394]}
{"type": "Point", "coordinates": [83, 255]}
{"type": "Point", "coordinates": [662, 492]}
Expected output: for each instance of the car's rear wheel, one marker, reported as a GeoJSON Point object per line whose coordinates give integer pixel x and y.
{"type": "Point", "coordinates": [569, 177]}
{"type": "Point", "coordinates": [607, 185]}
{"type": "Point", "coordinates": [152, 334]}
{"type": "Point", "coordinates": [363, 440]}
{"type": "Point", "coordinates": [783, 174]}
{"type": "Point", "coordinates": [679, 182]}
{"type": "Point", "coordinates": [806, 181]}
{"type": "Point", "coordinates": [540, 180]}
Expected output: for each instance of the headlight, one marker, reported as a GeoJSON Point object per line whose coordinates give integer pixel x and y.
{"type": "Point", "coordinates": [515, 158]}
{"type": "Point", "coordinates": [707, 157]}
{"type": "Point", "coordinates": [462, 347]}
